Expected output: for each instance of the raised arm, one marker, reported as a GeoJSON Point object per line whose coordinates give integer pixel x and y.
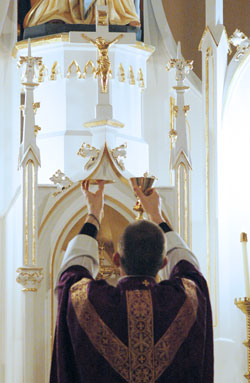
{"type": "Point", "coordinates": [151, 204]}
{"type": "Point", "coordinates": [82, 250]}
{"type": "Point", "coordinates": [95, 203]}
{"type": "Point", "coordinates": [177, 250]}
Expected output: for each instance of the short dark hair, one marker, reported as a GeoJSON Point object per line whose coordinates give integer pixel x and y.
{"type": "Point", "coordinates": [141, 248]}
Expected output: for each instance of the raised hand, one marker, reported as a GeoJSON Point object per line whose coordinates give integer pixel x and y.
{"type": "Point", "coordinates": [95, 201]}
{"type": "Point", "coordinates": [151, 203]}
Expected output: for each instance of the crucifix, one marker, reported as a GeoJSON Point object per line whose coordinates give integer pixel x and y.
{"type": "Point", "coordinates": [102, 39]}
{"type": "Point", "coordinates": [103, 61]}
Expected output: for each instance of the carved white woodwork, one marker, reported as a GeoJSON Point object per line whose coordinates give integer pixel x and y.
{"type": "Point", "coordinates": [29, 275]}
{"type": "Point", "coordinates": [30, 278]}
{"type": "Point", "coordinates": [61, 181]}
{"type": "Point", "coordinates": [86, 151]}
{"type": "Point", "coordinates": [180, 154]}
{"type": "Point", "coordinates": [119, 152]}
{"type": "Point", "coordinates": [71, 108]}
{"type": "Point", "coordinates": [214, 46]}
{"type": "Point", "coordinates": [29, 161]}
{"type": "Point", "coordinates": [241, 42]}
{"type": "Point", "coordinates": [74, 70]}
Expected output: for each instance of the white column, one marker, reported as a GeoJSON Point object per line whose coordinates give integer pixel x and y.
{"type": "Point", "coordinates": [29, 275]}
{"type": "Point", "coordinates": [214, 47]}
{"type": "Point", "coordinates": [214, 12]}
{"type": "Point", "coordinates": [181, 159]}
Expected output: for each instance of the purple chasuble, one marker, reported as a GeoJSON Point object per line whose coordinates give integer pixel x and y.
{"type": "Point", "coordinates": [137, 332]}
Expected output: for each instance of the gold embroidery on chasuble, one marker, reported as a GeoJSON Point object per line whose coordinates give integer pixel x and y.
{"type": "Point", "coordinates": [99, 334]}
{"type": "Point", "coordinates": [141, 361]}
{"type": "Point", "coordinates": [141, 336]}
{"type": "Point", "coordinates": [168, 345]}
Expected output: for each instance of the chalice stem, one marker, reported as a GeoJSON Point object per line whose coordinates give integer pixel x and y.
{"type": "Point", "coordinates": [140, 216]}
{"type": "Point", "coordinates": [139, 209]}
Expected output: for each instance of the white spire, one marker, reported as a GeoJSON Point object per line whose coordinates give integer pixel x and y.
{"type": "Point", "coordinates": [179, 50]}
{"type": "Point", "coordinates": [214, 12]}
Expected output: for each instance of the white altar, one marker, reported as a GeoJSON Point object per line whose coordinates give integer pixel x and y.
{"type": "Point", "coordinates": [157, 116]}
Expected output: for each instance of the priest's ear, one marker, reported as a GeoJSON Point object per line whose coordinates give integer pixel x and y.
{"type": "Point", "coordinates": [164, 262]}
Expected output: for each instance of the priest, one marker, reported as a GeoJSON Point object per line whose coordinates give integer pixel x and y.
{"type": "Point", "coordinates": [140, 331]}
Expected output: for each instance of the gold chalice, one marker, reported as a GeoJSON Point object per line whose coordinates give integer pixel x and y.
{"type": "Point", "coordinates": [145, 183]}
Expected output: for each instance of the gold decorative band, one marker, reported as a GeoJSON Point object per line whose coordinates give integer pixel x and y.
{"type": "Point", "coordinates": [112, 123]}
{"type": "Point", "coordinates": [181, 87]}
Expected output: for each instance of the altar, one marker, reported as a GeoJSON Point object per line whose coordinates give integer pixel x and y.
{"type": "Point", "coordinates": [99, 104]}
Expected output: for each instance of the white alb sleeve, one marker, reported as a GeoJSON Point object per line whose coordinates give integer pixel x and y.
{"type": "Point", "coordinates": [177, 251]}
{"type": "Point", "coordinates": [82, 250]}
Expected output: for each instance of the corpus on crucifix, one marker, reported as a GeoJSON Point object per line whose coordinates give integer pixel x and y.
{"type": "Point", "coordinates": [103, 67]}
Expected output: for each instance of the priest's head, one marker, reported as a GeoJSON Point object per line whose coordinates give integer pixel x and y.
{"type": "Point", "coordinates": [141, 249]}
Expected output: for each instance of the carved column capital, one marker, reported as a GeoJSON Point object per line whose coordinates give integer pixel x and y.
{"type": "Point", "coordinates": [30, 278]}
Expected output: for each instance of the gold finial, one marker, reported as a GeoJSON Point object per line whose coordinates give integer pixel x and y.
{"type": "Point", "coordinates": [171, 108]}
{"type": "Point", "coordinates": [131, 75]}
{"type": "Point", "coordinates": [36, 105]}
{"type": "Point", "coordinates": [42, 70]}
{"type": "Point", "coordinates": [140, 78]}
{"type": "Point", "coordinates": [173, 135]}
{"type": "Point", "coordinates": [243, 237]}
{"type": "Point", "coordinates": [36, 129]}
{"type": "Point", "coordinates": [54, 71]}
{"type": "Point", "coordinates": [176, 110]}
{"type": "Point", "coordinates": [186, 108]}
{"type": "Point", "coordinates": [85, 69]}
{"type": "Point", "coordinates": [74, 69]}
{"type": "Point", "coordinates": [121, 73]}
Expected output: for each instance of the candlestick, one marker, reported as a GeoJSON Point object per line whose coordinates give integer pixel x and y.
{"type": "Point", "coordinates": [244, 306]}
{"type": "Point", "coordinates": [243, 240]}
